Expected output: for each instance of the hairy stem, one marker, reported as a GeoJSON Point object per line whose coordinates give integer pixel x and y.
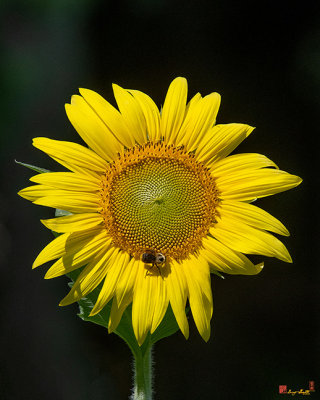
{"type": "Point", "coordinates": [142, 389]}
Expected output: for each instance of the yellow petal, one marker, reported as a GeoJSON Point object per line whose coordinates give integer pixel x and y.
{"type": "Point", "coordinates": [110, 283]}
{"type": "Point", "coordinates": [91, 276]}
{"type": "Point", "coordinates": [74, 223]}
{"type": "Point", "coordinates": [116, 314]}
{"type": "Point", "coordinates": [74, 202]}
{"type": "Point", "coordinates": [71, 261]}
{"type": "Point", "coordinates": [132, 113]}
{"type": "Point", "coordinates": [246, 239]}
{"type": "Point", "coordinates": [194, 100]}
{"type": "Point", "coordinates": [174, 109]}
{"type": "Point", "coordinates": [220, 141]}
{"type": "Point", "coordinates": [177, 293]}
{"type": "Point", "coordinates": [68, 242]}
{"type": "Point", "coordinates": [201, 275]}
{"type": "Point", "coordinates": [126, 282]}
{"type": "Point", "coordinates": [197, 275]}
{"type": "Point", "coordinates": [75, 157]}
{"type": "Point", "coordinates": [252, 184]}
{"type": "Point", "coordinates": [68, 181]}
{"type": "Point", "coordinates": [223, 259]}
{"type": "Point", "coordinates": [161, 305]}
{"type": "Point", "coordinates": [92, 130]}
{"type": "Point", "coordinates": [110, 116]}
{"type": "Point", "coordinates": [253, 216]}
{"type": "Point", "coordinates": [240, 162]}
{"type": "Point", "coordinates": [192, 105]}
{"type": "Point", "coordinates": [35, 192]}
{"type": "Point", "coordinates": [123, 294]}
{"type": "Point", "coordinates": [144, 302]}
{"type": "Point", "coordinates": [151, 114]}
{"type": "Point", "coordinates": [199, 119]}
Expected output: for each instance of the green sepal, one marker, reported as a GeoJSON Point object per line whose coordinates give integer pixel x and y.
{"type": "Point", "coordinates": [33, 167]}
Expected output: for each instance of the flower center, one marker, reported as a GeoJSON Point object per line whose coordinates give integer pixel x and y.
{"type": "Point", "coordinates": [158, 197]}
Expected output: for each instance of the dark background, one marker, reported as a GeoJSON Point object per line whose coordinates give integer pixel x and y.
{"type": "Point", "coordinates": [263, 57]}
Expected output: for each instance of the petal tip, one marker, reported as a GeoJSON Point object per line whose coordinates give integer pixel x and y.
{"type": "Point", "coordinates": [185, 333]}
{"type": "Point", "coordinates": [96, 309]}
{"type": "Point", "coordinates": [259, 267]}
{"type": "Point", "coordinates": [35, 265]}
{"type": "Point", "coordinates": [36, 142]}
{"type": "Point", "coordinates": [83, 91]}
{"type": "Point", "coordinates": [20, 193]}
{"type": "Point", "coordinates": [180, 78]}
{"type": "Point", "coordinates": [249, 130]}
{"type": "Point", "coordinates": [286, 257]}
{"type": "Point", "coordinates": [116, 87]}
{"type": "Point", "coordinates": [206, 335]}
{"type": "Point", "coordinates": [179, 81]}
{"type": "Point", "coordinates": [141, 340]}
{"type": "Point", "coordinates": [285, 231]}
{"type": "Point", "coordinates": [47, 276]}
{"type": "Point", "coordinates": [65, 301]}
{"type": "Point", "coordinates": [215, 95]}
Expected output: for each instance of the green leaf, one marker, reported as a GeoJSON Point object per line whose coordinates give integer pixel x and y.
{"type": "Point", "coordinates": [85, 307]}
{"type": "Point", "coordinates": [33, 167]}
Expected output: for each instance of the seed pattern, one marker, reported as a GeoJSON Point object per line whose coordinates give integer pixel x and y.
{"type": "Point", "coordinates": [157, 196]}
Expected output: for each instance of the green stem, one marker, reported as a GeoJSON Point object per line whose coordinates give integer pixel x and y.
{"type": "Point", "coordinates": [142, 389]}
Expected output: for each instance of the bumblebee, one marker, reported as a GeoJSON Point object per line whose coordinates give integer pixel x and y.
{"type": "Point", "coordinates": [154, 258]}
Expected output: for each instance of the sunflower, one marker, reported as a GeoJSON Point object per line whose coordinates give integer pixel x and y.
{"type": "Point", "coordinates": [156, 204]}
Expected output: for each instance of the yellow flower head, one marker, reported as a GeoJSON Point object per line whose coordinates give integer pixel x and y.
{"type": "Point", "coordinates": [156, 204]}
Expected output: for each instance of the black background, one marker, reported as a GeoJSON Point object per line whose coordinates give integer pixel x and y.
{"type": "Point", "coordinates": [264, 59]}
